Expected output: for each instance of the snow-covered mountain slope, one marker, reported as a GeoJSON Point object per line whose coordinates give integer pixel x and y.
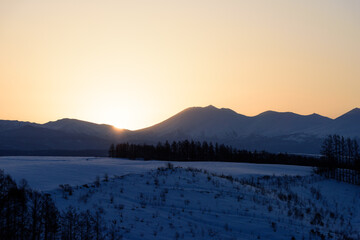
{"type": "Point", "coordinates": [197, 121]}
{"type": "Point", "coordinates": [274, 124]}
{"type": "Point", "coordinates": [270, 131]}
{"type": "Point", "coordinates": [212, 122]}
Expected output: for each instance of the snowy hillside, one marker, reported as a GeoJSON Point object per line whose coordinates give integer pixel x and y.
{"type": "Point", "coordinates": [178, 203]}
{"type": "Point", "coordinates": [193, 200]}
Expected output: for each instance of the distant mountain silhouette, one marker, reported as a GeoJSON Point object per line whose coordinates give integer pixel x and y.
{"type": "Point", "coordinates": [271, 131]}
{"type": "Point", "coordinates": [39, 138]}
{"type": "Point", "coordinates": [75, 126]}
{"type": "Point", "coordinates": [348, 124]}
{"type": "Point", "coordinates": [272, 123]}
{"type": "Point", "coordinates": [8, 125]}
{"type": "Point", "coordinates": [65, 136]}
{"type": "Point", "coordinates": [196, 121]}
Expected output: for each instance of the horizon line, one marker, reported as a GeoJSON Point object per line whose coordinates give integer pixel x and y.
{"type": "Point", "coordinates": [208, 106]}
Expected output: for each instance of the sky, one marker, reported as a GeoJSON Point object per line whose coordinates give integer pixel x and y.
{"type": "Point", "coordinates": [135, 63]}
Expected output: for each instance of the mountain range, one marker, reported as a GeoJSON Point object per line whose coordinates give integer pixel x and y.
{"type": "Point", "coordinates": [270, 131]}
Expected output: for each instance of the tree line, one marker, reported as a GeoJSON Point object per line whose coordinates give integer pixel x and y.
{"type": "Point", "coordinates": [340, 152]}
{"type": "Point", "coordinates": [340, 159]}
{"type": "Point", "coordinates": [203, 151]}
{"type": "Point", "coordinates": [26, 214]}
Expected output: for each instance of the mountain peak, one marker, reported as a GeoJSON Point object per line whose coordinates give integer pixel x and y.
{"type": "Point", "coordinates": [269, 112]}
{"type": "Point", "coordinates": [354, 113]}
{"type": "Point", "coordinates": [67, 120]}
{"type": "Point", "coordinates": [275, 113]}
{"type": "Point", "coordinates": [211, 107]}
{"type": "Point", "coordinates": [315, 115]}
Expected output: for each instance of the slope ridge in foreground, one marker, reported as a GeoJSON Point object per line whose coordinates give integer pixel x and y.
{"type": "Point", "coordinates": [177, 203]}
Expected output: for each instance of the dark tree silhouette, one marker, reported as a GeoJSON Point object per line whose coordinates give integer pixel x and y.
{"type": "Point", "coordinates": [112, 150]}
{"type": "Point", "coordinates": [340, 159]}
{"type": "Point", "coordinates": [203, 151]}
{"type": "Point", "coordinates": [26, 214]}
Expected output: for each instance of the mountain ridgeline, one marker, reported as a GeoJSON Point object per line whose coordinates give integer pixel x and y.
{"type": "Point", "coordinates": [271, 131]}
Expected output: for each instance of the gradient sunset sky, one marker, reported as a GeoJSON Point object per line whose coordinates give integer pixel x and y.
{"type": "Point", "coordinates": [135, 63]}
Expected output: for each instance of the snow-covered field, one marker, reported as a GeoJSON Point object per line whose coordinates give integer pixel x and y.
{"type": "Point", "coordinates": [197, 200]}
{"type": "Point", "coordinates": [46, 173]}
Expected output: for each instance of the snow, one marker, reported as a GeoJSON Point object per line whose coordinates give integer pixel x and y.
{"type": "Point", "coordinates": [191, 204]}
{"type": "Point", "coordinates": [197, 200]}
{"type": "Point", "coordinates": [46, 173]}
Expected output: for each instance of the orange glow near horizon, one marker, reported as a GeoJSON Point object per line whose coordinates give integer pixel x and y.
{"type": "Point", "coordinates": [135, 63]}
